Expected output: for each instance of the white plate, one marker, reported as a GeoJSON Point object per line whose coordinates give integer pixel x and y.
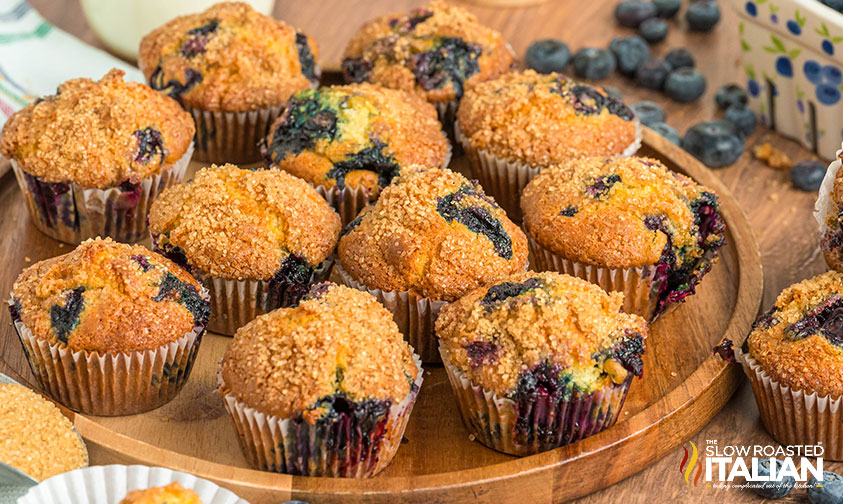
{"type": "Point", "coordinates": [110, 484]}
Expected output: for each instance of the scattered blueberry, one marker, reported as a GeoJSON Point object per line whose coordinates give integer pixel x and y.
{"type": "Point", "coordinates": [834, 4]}
{"type": "Point", "coordinates": [702, 15]}
{"type": "Point", "coordinates": [630, 52]}
{"type": "Point", "coordinates": [715, 143]}
{"type": "Point", "coordinates": [684, 85]}
{"type": "Point", "coordinates": [654, 30]}
{"type": "Point", "coordinates": [680, 58]}
{"type": "Point", "coordinates": [648, 112]}
{"type": "Point", "coordinates": [548, 55]}
{"type": "Point", "coordinates": [730, 94]}
{"type": "Point", "coordinates": [652, 74]}
{"type": "Point", "coordinates": [613, 92]}
{"type": "Point", "coordinates": [593, 63]}
{"type": "Point", "coordinates": [743, 118]}
{"type": "Point", "coordinates": [830, 491]}
{"type": "Point", "coordinates": [784, 67]}
{"type": "Point", "coordinates": [666, 131]}
{"type": "Point", "coordinates": [667, 8]}
{"type": "Point", "coordinates": [773, 489]}
{"type": "Point", "coordinates": [632, 13]}
{"type": "Point", "coordinates": [808, 175]}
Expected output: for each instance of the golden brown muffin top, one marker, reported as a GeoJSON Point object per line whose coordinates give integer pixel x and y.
{"type": "Point", "coordinates": [338, 341]}
{"type": "Point", "coordinates": [241, 224]}
{"type": "Point", "coordinates": [618, 212]}
{"type": "Point", "coordinates": [542, 119]}
{"type": "Point", "coordinates": [500, 335]}
{"type": "Point", "coordinates": [357, 135]}
{"type": "Point", "coordinates": [799, 342]}
{"type": "Point", "coordinates": [439, 51]}
{"type": "Point", "coordinates": [433, 232]}
{"type": "Point", "coordinates": [98, 134]}
{"type": "Point", "coordinates": [228, 58]}
{"type": "Point", "coordinates": [173, 493]}
{"type": "Point", "coordinates": [108, 297]}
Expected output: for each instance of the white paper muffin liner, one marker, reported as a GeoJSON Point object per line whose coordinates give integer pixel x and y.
{"type": "Point", "coordinates": [292, 446]}
{"type": "Point", "coordinates": [826, 211]}
{"type": "Point", "coordinates": [494, 420]}
{"type": "Point", "coordinates": [110, 484]}
{"type": "Point", "coordinates": [232, 137]}
{"type": "Point", "coordinates": [414, 314]}
{"type": "Point", "coordinates": [73, 213]}
{"type": "Point", "coordinates": [504, 180]}
{"type": "Point", "coordinates": [111, 384]}
{"type": "Point", "coordinates": [795, 417]}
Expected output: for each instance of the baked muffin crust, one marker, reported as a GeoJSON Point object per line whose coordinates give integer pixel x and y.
{"type": "Point", "coordinates": [173, 493]}
{"type": "Point", "coordinates": [228, 58]}
{"type": "Point", "coordinates": [434, 232]}
{"type": "Point", "coordinates": [98, 134]}
{"type": "Point", "coordinates": [242, 224]}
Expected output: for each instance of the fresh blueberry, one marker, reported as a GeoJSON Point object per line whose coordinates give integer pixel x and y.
{"type": "Point", "coordinates": [831, 75]}
{"type": "Point", "coordinates": [828, 94]}
{"type": "Point", "coordinates": [648, 112]}
{"type": "Point", "coordinates": [743, 118]}
{"type": "Point", "coordinates": [593, 63]}
{"type": "Point", "coordinates": [613, 92]}
{"type": "Point", "coordinates": [813, 72]}
{"type": "Point", "coordinates": [730, 94]}
{"type": "Point", "coordinates": [784, 67]}
{"type": "Point", "coordinates": [684, 85]}
{"type": "Point", "coordinates": [666, 131]}
{"type": "Point", "coordinates": [751, 9]}
{"type": "Point", "coordinates": [773, 489]}
{"type": "Point", "coordinates": [652, 74]}
{"type": "Point", "coordinates": [702, 15]}
{"type": "Point", "coordinates": [632, 13]}
{"type": "Point", "coordinates": [654, 30]}
{"type": "Point", "coordinates": [834, 4]}
{"type": "Point", "coordinates": [829, 491]}
{"type": "Point", "coordinates": [828, 47]}
{"type": "Point", "coordinates": [548, 55]}
{"type": "Point", "coordinates": [680, 58]}
{"type": "Point", "coordinates": [808, 175]}
{"type": "Point", "coordinates": [667, 8]}
{"type": "Point", "coordinates": [794, 27]}
{"type": "Point", "coordinates": [715, 143]}
{"type": "Point", "coordinates": [630, 52]}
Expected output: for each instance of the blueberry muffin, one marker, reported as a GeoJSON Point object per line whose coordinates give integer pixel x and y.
{"type": "Point", "coordinates": [829, 214]}
{"type": "Point", "coordinates": [173, 493]}
{"type": "Point", "coordinates": [439, 51]}
{"type": "Point", "coordinates": [232, 68]}
{"type": "Point", "coordinates": [539, 360]}
{"type": "Point", "coordinates": [107, 300]}
{"type": "Point", "coordinates": [628, 224]}
{"type": "Point", "coordinates": [513, 126]}
{"type": "Point", "coordinates": [795, 364]}
{"type": "Point", "coordinates": [256, 239]}
{"type": "Point", "coordinates": [350, 141]}
{"type": "Point", "coordinates": [91, 158]}
{"type": "Point", "coordinates": [332, 381]}
{"type": "Point", "coordinates": [432, 236]}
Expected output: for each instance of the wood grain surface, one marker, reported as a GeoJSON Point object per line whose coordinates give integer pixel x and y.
{"type": "Point", "coordinates": [780, 216]}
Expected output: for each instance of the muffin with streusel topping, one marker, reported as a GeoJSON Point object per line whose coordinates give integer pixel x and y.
{"type": "Point", "coordinates": [795, 364]}
{"type": "Point", "coordinates": [107, 302]}
{"type": "Point", "coordinates": [439, 51]}
{"type": "Point", "coordinates": [232, 68]}
{"type": "Point", "coordinates": [432, 236]}
{"type": "Point", "coordinates": [516, 125]}
{"type": "Point", "coordinates": [173, 493]}
{"type": "Point", "coordinates": [256, 239]}
{"type": "Point", "coordinates": [628, 224]}
{"type": "Point", "coordinates": [91, 158]}
{"type": "Point", "coordinates": [539, 360]}
{"type": "Point", "coordinates": [322, 389]}
{"type": "Point", "coordinates": [350, 141]}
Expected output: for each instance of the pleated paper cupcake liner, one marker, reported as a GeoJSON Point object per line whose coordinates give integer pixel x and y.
{"type": "Point", "coordinates": [346, 447]}
{"type": "Point", "coordinates": [232, 137]}
{"type": "Point", "coordinates": [795, 417]}
{"type": "Point", "coordinates": [504, 180]}
{"type": "Point", "coordinates": [414, 314]}
{"type": "Point", "coordinates": [111, 384]}
{"type": "Point", "coordinates": [447, 112]}
{"type": "Point", "coordinates": [72, 213]}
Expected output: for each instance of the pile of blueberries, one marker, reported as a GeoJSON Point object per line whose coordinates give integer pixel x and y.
{"type": "Point", "coordinates": [828, 492]}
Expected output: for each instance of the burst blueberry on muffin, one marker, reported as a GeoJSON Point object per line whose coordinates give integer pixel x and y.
{"type": "Point", "coordinates": [222, 64]}
{"type": "Point", "coordinates": [539, 360]}
{"type": "Point", "coordinates": [116, 301]}
{"type": "Point", "coordinates": [513, 126]}
{"type": "Point", "coordinates": [256, 239]}
{"type": "Point", "coordinates": [119, 141]}
{"type": "Point", "coordinates": [173, 493]}
{"type": "Point", "coordinates": [355, 137]}
{"type": "Point", "coordinates": [335, 371]}
{"type": "Point", "coordinates": [629, 224]}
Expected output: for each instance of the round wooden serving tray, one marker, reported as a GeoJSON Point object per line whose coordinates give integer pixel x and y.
{"type": "Point", "coordinates": [684, 385]}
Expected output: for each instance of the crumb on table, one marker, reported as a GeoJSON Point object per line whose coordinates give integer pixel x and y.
{"type": "Point", "coordinates": [773, 157]}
